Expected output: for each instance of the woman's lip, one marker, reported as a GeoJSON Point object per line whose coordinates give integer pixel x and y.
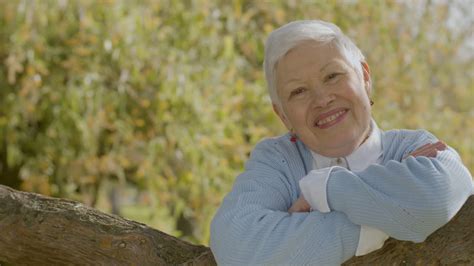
{"type": "Point", "coordinates": [333, 122]}
{"type": "Point", "coordinates": [324, 115]}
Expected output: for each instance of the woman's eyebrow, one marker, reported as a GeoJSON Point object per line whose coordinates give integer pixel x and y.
{"type": "Point", "coordinates": [291, 80]}
{"type": "Point", "coordinates": [328, 64]}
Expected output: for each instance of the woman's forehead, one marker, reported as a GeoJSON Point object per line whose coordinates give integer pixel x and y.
{"type": "Point", "coordinates": [314, 56]}
{"type": "Point", "coordinates": [311, 51]}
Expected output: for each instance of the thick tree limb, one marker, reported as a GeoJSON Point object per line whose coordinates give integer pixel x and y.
{"type": "Point", "coordinates": [38, 230]}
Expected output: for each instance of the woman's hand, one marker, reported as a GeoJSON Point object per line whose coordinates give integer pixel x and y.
{"type": "Point", "coordinates": [300, 205]}
{"type": "Point", "coordinates": [428, 150]}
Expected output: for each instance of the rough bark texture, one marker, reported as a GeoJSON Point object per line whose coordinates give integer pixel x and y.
{"type": "Point", "coordinates": [38, 230]}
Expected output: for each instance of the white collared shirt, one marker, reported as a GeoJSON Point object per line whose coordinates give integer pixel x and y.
{"type": "Point", "coordinates": [313, 186]}
{"type": "Point", "coordinates": [368, 153]}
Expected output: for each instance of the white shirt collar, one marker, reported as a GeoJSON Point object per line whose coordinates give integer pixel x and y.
{"type": "Point", "coordinates": [366, 154]}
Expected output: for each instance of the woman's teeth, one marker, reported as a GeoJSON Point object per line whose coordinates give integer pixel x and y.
{"type": "Point", "coordinates": [330, 118]}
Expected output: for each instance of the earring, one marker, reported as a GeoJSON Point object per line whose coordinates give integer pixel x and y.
{"type": "Point", "coordinates": [293, 138]}
{"type": "Point", "coordinates": [371, 102]}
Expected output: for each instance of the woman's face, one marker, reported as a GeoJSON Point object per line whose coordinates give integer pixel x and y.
{"type": "Point", "coordinates": [323, 99]}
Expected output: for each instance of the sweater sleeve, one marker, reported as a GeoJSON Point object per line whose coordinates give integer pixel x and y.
{"type": "Point", "coordinates": [254, 227]}
{"type": "Point", "coordinates": [408, 200]}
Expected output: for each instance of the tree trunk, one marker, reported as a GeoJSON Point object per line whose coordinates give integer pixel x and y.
{"type": "Point", "coordinates": [38, 230]}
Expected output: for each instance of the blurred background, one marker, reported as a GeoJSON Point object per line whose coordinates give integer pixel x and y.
{"type": "Point", "coordinates": [149, 109]}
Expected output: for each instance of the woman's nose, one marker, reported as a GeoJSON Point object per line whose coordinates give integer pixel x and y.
{"type": "Point", "coordinates": [322, 99]}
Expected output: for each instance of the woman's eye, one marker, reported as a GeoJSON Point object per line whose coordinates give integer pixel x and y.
{"type": "Point", "coordinates": [331, 76]}
{"type": "Point", "coordinates": [297, 91]}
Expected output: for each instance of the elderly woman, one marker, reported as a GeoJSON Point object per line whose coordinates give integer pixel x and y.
{"type": "Point", "coordinates": [336, 185]}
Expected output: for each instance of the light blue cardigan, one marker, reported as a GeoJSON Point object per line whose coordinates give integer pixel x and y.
{"type": "Point", "coordinates": [407, 199]}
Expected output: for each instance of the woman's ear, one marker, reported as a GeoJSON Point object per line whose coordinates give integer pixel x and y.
{"type": "Point", "coordinates": [366, 75]}
{"type": "Point", "coordinates": [282, 116]}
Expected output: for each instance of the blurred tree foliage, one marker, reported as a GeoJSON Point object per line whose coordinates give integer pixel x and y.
{"type": "Point", "coordinates": [167, 98]}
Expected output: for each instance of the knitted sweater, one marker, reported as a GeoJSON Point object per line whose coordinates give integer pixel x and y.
{"type": "Point", "coordinates": [406, 198]}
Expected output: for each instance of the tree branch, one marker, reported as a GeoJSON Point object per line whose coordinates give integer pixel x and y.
{"type": "Point", "coordinates": [38, 230]}
{"type": "Point", "coordinates": [35, 230]}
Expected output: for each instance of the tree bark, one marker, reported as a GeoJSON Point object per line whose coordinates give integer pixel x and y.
{"type": "Point", "coordinates": [39, 230]}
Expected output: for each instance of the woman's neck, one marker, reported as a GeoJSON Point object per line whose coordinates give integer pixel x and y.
{"type": "Point", "coordinates": [346, 151]}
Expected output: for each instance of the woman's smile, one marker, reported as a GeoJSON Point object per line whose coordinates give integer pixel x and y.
{"type": "Point", "coordinates": [331, 118]}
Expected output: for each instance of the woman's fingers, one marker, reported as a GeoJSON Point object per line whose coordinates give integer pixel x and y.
{"type": "Point", "coordinates": [300, 205]}
{"type": "Point", "coordinates": [429, 146]}
{"type": "Point", "coordinates": [439, 145]}
{"type": "Point", "coordinates": [422, 147]}
{"type": "Point", "coordinates": [425, 152]}
{"type": "Point", "coordinates": [429, 150]}
{"type": "Point", "coordinates": [295, 208]}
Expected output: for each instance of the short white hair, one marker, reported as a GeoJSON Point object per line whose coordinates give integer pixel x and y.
{"type": "Point", "coordinates": [285, 38]}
